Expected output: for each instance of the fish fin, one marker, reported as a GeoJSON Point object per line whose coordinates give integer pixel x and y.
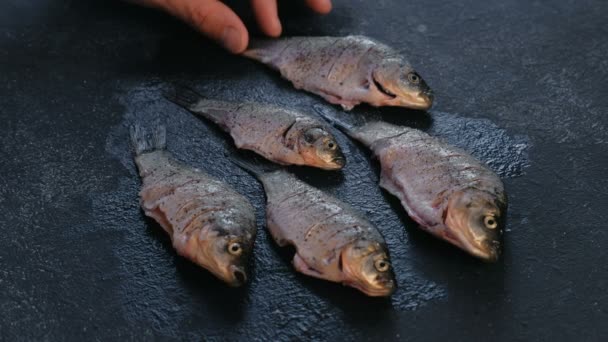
{"type": "Point", "coordinates": [252, 165]}
{"type": "Point", "coordinates": [342, 126]}
{"type": "Point", "coordinates": [143, 142]}
{"type": "Point", "coordinates": [184, 97]}
{"type": "Point", "coordinates": [301, 266]}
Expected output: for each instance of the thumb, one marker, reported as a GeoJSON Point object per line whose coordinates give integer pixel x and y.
{"type": "Point", "coordinates": [214, 19]}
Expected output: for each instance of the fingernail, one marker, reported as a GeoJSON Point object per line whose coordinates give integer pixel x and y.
{"type": "Point", "coordinates": [231, 39]}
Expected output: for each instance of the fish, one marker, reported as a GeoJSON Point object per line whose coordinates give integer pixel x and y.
{"type": "Point", "coordinates": [281, 135]}
{"type": "Point", "coordinates": [332, 241]}
{"type": "Point", "coordinates": [345, 71]}
{"type": "Point", "coordinates": [448, 192]}
{"type": "Point", "coordinates": [209, 222]}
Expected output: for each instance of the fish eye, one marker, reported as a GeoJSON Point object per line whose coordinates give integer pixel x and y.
{"type": "Point", "coordinates": [235, 249]}
{"type": "Point", "coordinates": [382, 265]}
{"type": "Point", "coordinates": [414, 78]}
{"type": "Point", "coordinates": [331, 145]}
{"type": "Point", "coordinates": [490, 222]}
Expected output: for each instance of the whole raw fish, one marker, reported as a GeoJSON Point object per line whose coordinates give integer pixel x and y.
{"type": "Point", "coordinates": [346, 70]}
{"type": "Point", "coordinates": [209, 223]}
{"type": "Point", "coordinates": [332, 240]}
{"type": "Point", "coordinates": [444, 189]}
{"type": "Point", "coordinates": [280, 135]}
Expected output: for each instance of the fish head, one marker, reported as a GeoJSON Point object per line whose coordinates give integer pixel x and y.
{"type": "Point", "coordinates": [225, 255]}
{"type": "Point", "coordinates": [365, 266]}
{"type": "Point", "coordinates": [474, 222]}
{"type": "Point", "coordinates": [319, 148]}
{"type": "Point", "coordinates": [396, 83]}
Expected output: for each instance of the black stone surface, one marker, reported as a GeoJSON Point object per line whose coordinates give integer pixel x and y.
{"type": "Point", "coordinates": [522, 84]}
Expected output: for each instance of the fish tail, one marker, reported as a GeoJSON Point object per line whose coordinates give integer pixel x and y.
{"type": "Point", "coordinates": [184, 97]}
{"type": "Point", "coordinates": [255, 167]}
{"type": "Point", "coordinates": [143, 142]}
{"type": "Point", "coordinates": [187, 98]}
{"type": "Point", "coordinates": [342, 126]}
{"type": "Point", "coordinates": [262, 50]}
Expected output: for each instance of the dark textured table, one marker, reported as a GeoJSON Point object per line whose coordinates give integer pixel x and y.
{"type": "Point", "coordinates": [521, 84]}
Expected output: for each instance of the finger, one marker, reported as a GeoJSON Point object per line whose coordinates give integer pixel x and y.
{"type": "Point", "coordinates": [214, 19]}
{"type": "Point", "coordinates": [320, 6]}
{"type": "Point", "coordinates": [266, 14]}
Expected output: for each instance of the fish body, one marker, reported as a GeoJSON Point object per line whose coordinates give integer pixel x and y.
{"type": "Point", "coordinates": [333, 241]}
{"type": "Point", "coordinates": [278, 134]}
{"type": "Point", "coordinates": [208, 222]}
{"type": "Point", "coordinates": [443, 188]}
{"type": "Point", "coordinates": [345, 70]}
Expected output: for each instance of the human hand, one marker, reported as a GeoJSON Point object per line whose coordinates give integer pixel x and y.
{"type": "Point", "coordinates": [218, 22]}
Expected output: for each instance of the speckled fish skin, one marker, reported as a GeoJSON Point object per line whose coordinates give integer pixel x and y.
{"type": "Point", "coordinates": [280, 135]}
{"type": "Point", "coordinates": [443, 188]}
{"type": "Point", "coordinates": [208, 222]}
{"type": "Point", "coordinates": [332, 240]}
{"type": "Point", "coordinates": [345, 70]}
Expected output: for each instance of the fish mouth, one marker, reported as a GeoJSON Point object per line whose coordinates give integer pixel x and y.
{"type": "Point", "coordinates": [384, 290]}
{"type": "Point", "coordinates": [421, 101]}
{"type": "Point", "coordinates": [427, 97]}
{"type": "Point", "coordinates": [339, 161]}
{"type": "Point", "coordinates": [485, 250]}
{"type": "Point", "coordinates": [236, 276]}
{"type": "Point", "coordinates": [334, 164]}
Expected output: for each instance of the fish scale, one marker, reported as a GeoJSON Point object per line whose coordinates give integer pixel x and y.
{"type": "Point", "coordinates": [168, 197]}
{"type": "Point", "coordinates": [290, 222]}
{"type": "Point", "coordinates": [429, 159]}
